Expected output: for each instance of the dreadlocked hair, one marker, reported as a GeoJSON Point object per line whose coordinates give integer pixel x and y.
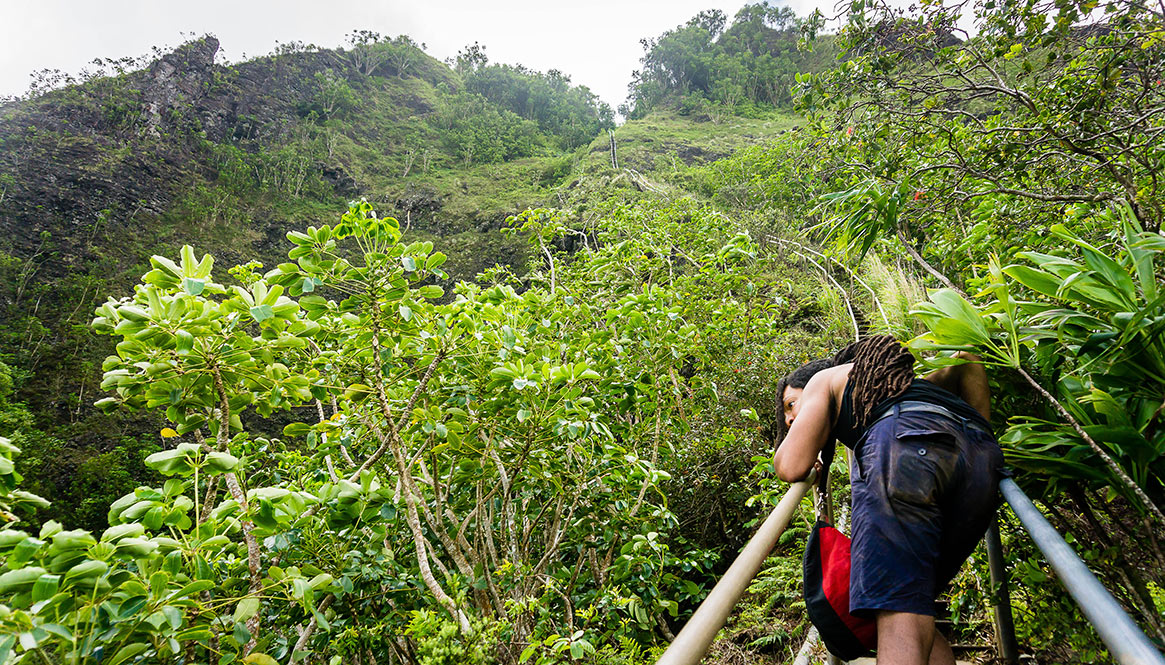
{"type": "Point", "coordinates": [883, 368]}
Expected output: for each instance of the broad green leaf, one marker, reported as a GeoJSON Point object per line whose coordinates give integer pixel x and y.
{"type": "Point", "coordinates": [1036, 280]}
{"type": "Point", "coordinates": [958, 309]}
{"type": "Point", "coordinates": [204, 266]}
{"type": "Point", "coordinates": [158, 582]}
{"type": "Point", "coordinates": [193, 285]}
{"type": "Point", "coordinates": [246, 608]}
{"type": "Point", "coordinates": [357, 392]}
{"type": "Point", "coordinates": [46, 587]}
{"type": "Point", "coordinates": [183, 342]}
{"type": "Point", "coordinates": [193, 588]}
{"type": "Point", "coordinates": [1105, 268]}
{"type": "Point", "coordinates": [30, 639]}
{"type": "Point", "coordinates": [131, 607]}
{"type": "Point", "coordinates": [199, 634]}
{"type": "Point", "coordinates": [218, 462]}
{"type": "Point", "coordinates": [1083, 288]}
{"type": "Point", "coordinates": [1141, 257]}
{"type": "Point", "coordinates": [58, 630]}
{"type": "Point", "coordinates": [166, 265]}
{"type": "Point", "coordinates": [128, 651]}
{"type": "Point", "coordinates": [189, 263]}
{"type": "Point", "coordinates": [262, 312]}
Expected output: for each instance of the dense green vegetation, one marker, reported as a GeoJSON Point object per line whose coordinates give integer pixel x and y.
{"type": "Point", "coordinates": [562, 406]}
{"type": "Point", "coordinates": [251, 148]}
{"type": "Point", "coordinates": [702, 68]}
{"type": "Point", "coordinates": [339, 451]}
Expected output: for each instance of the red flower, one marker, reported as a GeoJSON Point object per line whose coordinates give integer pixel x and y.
{"type": "Point", "coordinates": [849, 131]}
{"type": "Point", "coordinates": [919, 194]}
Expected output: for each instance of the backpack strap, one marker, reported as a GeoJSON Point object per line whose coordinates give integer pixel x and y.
{"type": "Point", "coordinates": [827, 454]}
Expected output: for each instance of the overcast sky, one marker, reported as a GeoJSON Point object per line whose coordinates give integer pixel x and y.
{"type": "Point", "coordinates": [595, 42]}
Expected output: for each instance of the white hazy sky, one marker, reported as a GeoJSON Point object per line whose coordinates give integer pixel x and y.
{"type": "Point", "coordinates": [595, 42]}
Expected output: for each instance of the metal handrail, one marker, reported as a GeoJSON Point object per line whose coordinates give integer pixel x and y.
{"type": "Point", "coordinates": [1125, 640]}
{"type": "Point", "coordinates": [693, 641]}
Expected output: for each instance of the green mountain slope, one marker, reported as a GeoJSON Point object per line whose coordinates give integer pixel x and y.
{"type": "Point", "coordinates": [101, 175]}
{"type": "Point", "coordinates": [313, 443]}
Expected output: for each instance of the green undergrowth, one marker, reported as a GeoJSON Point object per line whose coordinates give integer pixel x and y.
{"type": "Point", "coordinates": [666, 140]}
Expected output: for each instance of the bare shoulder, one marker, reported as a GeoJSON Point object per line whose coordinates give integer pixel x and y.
{"type": "Point", "coordinates": [837, 379]}
{"type": "Point", "coordinates": [831, 382]}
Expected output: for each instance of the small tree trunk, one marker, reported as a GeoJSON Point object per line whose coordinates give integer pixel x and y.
{"type": "Point", "coordinates": [232, 481]}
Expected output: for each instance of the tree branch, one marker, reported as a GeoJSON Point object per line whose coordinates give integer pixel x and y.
{"type": "Point", "coordinates": [1104, 456]}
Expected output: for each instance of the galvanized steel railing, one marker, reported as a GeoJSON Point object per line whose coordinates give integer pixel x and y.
{"type": "Point", "coordinates": [693, 641]}
{"type": "Point", "coordinates": [1125, 640]}
{"type": "Point", "coordinates": [1126, 643]}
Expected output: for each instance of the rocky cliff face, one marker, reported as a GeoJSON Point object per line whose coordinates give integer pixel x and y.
{"type": "Point", "coordinates": [176, 81]}
{"type": "Point", "coordinates": [91, 176]}
{"type": "Point", "coordinates": [118, 150]}
{"type": "Point", "coordinates": [95, 154]}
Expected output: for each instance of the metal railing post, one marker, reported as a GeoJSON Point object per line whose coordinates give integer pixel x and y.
{"type": "Point", "coordinates": [806, 652]}
{"type": "Point", "coordinates": [693, 641]}
{"type": "Point", "coordinates": [1001, 597]}
{"type": "Point", "coordinates": [1124, 639]}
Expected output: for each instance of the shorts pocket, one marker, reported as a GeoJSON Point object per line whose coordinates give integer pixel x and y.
{"type": "Point", "coordinates": [935, 428]}
{"type": "Point", "coordinates": [924, 461]}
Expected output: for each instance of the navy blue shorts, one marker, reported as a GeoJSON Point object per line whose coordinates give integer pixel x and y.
{"type": "Point", "coordinates": [924, 488]}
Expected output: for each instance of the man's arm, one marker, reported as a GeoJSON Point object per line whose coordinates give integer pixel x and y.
{"type": "Point", "coordinates": [968, 380]}
{"type": "Point", "coordinates": [810, 431]}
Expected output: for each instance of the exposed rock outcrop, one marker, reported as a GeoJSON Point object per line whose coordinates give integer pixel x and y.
{"type": "Point", "coordinates": [178, 79]}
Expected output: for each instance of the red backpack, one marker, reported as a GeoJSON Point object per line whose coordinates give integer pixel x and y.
{"type": "Point", "coordinates": [826, 577]}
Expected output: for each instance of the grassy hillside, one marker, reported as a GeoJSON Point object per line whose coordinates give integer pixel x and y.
{"type": "Point", "coordinates": [666, 140]}
{"type": "Point", "coordinates": [98, 176]}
